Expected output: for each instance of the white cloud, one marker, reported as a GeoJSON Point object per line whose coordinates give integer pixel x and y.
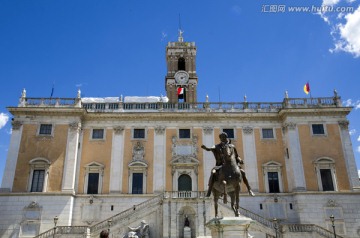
{"type": "Point", "coordinates": [350, 34]}
{"type": "Point", "coordinates": [4, 118]}
{"type": "Point", "coordinates": [349, 103]}
{"type": "Point", "coordinates": [359, 173]}
{"type": "Point", "coordinates": [344, 21]}
{"type": "Point", "coordinates": [358, 139]}
{"type": "Point", "coordinates": [352, 132]}
{"type": "Point", "coordinates": [358, 149]}
{"type": "Point", "coordinates": [330, 2]}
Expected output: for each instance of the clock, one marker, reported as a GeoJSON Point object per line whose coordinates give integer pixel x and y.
{"type": "Point", "coordinates": [181, 77]}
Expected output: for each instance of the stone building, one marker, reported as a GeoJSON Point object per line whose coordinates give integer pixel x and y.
{"type": "Point", "coordinates": [109, 163]}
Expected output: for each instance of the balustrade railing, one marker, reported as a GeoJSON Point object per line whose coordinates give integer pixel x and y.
{"type": "Point", "coordinates": [64, 230]}
{"type": "Point", "coordinates": [184, 194]}
{"type": "Point", "coordinates": [310, 228]}
{"type": "Point", "coordinates": [188, 107]}
{"type": "Point", "coordinates": [123, 216]}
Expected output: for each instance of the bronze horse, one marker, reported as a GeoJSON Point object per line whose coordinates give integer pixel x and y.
{"type": "Point", "coordinates": [228, 180]}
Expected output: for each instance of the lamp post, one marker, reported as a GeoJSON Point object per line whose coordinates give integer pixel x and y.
{"type": "Point", "coordinates": [109, 225]}
{"type": "Point", "coordinates": [55, 222]}
{"type": "Point", "coordinates": [276, 227]}
{"type": "Point", "coordinates": [332, 219]}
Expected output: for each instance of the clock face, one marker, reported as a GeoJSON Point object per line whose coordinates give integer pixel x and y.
{"type": "Point", "coordinates": [181, 77]}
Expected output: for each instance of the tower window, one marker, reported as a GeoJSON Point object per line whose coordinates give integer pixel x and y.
{"type": "Point", "coordinates": [181, 64]}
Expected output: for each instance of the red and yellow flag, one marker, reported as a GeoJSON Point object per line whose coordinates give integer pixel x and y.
{"type": "Point", "coordinates": [307, 88]}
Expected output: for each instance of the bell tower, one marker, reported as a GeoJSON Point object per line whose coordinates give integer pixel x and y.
{"type": "Point", "coordinates": [181, 78]}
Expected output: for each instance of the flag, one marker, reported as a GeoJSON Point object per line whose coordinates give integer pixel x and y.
{"type": "Point", "coordinates": [52, 91]}
{"type": "Point", "coordinates": [180, 93]}
{"type": "Point", "coordinates": [307, 88]}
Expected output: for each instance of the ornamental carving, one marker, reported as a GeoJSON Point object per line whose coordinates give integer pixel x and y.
{"type": "Point", "coordinates": [247, 130]}
{"type": "Point", "coordinates": [331, 203]}
{"type": "Point", "coordinates": [75, 126]}
{"type": "Point", "coordinates": [138, 152]}
{"type": "Point", "coordinates": [160, 130]}
{"type": "Point", "coordinates": [344, 124]}
{"type": "Point", "coordinates": [119, 130]}
{"type": "Point", "coordinates": [289, 125]}
{"type": "Point", "coordinates": [16, 125]}
{"type": "Point", "coordinates": [208, 130]}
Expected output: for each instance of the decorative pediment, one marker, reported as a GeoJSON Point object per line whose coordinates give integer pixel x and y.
{"type": "Point", "coordinates": [138, 163]}
{"type": "Point", "coordinates": [271, 164]}
{"type": "Point", "coordinates": [184, 160]}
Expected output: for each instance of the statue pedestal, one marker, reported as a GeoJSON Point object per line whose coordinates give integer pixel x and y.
{"type": "Point", "coordinates": [234, 227]}
{"type": "Point", "coordinates": [187, 232]}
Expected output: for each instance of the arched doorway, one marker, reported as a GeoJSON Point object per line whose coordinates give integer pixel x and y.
{"type": "Point", "coordinates": [184, 186]}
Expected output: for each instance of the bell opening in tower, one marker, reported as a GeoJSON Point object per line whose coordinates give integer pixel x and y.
{"type": "Point", "coordinates": [181, 64]}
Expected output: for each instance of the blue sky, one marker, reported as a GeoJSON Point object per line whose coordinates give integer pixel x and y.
{"type": "Point", "coordinates": [111, 48]}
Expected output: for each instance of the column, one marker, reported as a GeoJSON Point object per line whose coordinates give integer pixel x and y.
{"type": "Point", "coordinates": [208, 157]}
{"type": "Point", "coordinates": [12, 156]}
{"type": "Point", "coordinates": [250, 160]}
{"type": "Point", "coordinates": [296, 169]}
{"type": "Point", "coordinates": [349, 155]}
{"type": "Point", "coordinates": [117, 160]}
{"type": "Point", "coordinates": [68, 180]}
{"type": "Point", "coordinates": [159, 160]}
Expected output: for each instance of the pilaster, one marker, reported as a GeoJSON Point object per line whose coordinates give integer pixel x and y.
{"type": "Point", "coordinates": [159, 159]}
{"type": "Point", "coordinates": [117, 157]}
{"type": "Point", "coordinates": [208, 157]}
{"type": "Point", "coordinates": [12, 156]}
{"type": "Point", "coordinates": [349, 155]}
{"type": "Point", "coordinates": [296, 168]}
{"type": "Point", "coordinates": [250, 159]}
{"type": "Point", "coordinates": [68, 180]}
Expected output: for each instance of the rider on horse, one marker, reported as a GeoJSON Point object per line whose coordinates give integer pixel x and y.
{"type": "Point", "coordinates": [219, 151]}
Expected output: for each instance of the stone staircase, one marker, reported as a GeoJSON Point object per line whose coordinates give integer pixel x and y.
{"type": "Point", "coordinates": [117, 224]}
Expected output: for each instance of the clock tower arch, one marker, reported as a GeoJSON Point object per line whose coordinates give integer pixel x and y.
{"type": "Point", "coordinates": [181, 78]}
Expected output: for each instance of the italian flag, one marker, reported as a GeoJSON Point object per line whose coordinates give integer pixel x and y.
{"type": "Point", "coordinates": [307, 88]}
{"type": "Point", "coordinates": [180, 93]}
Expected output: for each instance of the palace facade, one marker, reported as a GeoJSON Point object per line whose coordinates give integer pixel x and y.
{"type": "Point", "coordinates": [109, 163]}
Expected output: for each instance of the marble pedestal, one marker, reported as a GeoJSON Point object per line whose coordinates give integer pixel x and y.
{"type": "Point", "coordinates": [234, 227]}
{"type": "Point", "coordinates": [187, 232]}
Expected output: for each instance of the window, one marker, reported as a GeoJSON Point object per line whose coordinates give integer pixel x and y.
{"type": "Point", "coordinates": [267, 133]}
{"type": "Point", "coordinates": [181, 64]}
{"type": "Point", "coordinates": [318, 129]}
{"type": "Point", "coordinates": [325, 171]}
{"type": "Point", "coordinates": [39, 170]}
{"type": "Point", "coordinates": [94, 173]}
{"type": "Point", "coordinates": [326, 180]}
{"type": "Point", "coordinates": [45, 129]}
{"type": "Point", "coordinates": [184, 133]}
{"type": "Point", "coordinates": [97, 134]}
{"type": "Point", "coordinates": [139, 134]}
{"type": "Point", "coordinates": [137, 183]}
{"type": "Point", "coordinates": [184, 183]}
{"type": "Point", "coordinates": [273, 179]}
{"type": "Point", "coordinates": [38, 178]}
{"type": "Point", "coordinates": [93, 183]}
{"type": "Point", "coordinates": [137, 176]}
{"type": "Point", "coordinates": [230, 133]}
